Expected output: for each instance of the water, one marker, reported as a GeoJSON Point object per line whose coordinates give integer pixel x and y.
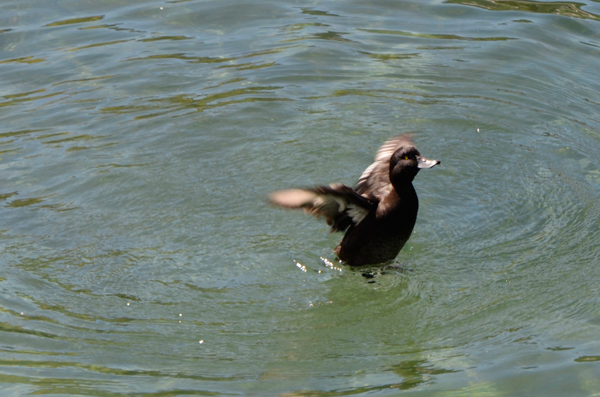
{"type": "Point", "coordinates": [139, 139]}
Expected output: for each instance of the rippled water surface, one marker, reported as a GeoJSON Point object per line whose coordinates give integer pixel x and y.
{"type": "Point", "coordinates": [139, 139]}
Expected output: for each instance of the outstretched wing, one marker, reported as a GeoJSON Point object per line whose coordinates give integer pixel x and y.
{"type": "Point", "coordinates": [375, 180]}
{"type": "Point", "coordinates": [339, 204]}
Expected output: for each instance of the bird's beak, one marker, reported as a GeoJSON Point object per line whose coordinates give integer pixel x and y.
{"type": "Point", "coordinates": [422, 162]}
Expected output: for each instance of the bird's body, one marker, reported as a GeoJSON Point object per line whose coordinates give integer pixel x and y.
{"type": "Point", "coordinates": [379, 214]}
{"type": "Point", "coordinates": [383, 232]}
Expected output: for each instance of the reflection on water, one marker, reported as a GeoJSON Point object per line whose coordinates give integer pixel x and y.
{"type": "Point", "coordinates": [435, 36]}
{"type": "Point", "coordinates": [139, 141]}
{"type": "Point", "coordinates": [75, 21]}
{"type": "Point", "coordinates": [568, 9]}
{"type": "Point", "coordinates": [417, 372]}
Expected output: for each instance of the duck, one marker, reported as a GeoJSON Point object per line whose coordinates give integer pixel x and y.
{"type": "Point", "coordinates": [377, 215]}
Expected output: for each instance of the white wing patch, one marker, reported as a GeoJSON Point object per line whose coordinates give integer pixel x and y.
{"type": "Point", "coordinates": [357, 213]}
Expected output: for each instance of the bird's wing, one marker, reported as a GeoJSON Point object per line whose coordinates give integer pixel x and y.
{"type": "Point", "coordinates": [339, 204]}
{"type": "Point", "coordinates": [375, 180]}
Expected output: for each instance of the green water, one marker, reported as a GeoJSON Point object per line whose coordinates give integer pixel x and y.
{"type": "Point", "coordinates": [139, 140]}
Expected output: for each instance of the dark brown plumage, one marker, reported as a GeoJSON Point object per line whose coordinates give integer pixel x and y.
{"type": "Point", "coordinates": [379, 214]}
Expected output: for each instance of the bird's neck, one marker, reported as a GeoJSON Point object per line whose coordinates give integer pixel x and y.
{"type": "Point", "coordinates": [403, 187]}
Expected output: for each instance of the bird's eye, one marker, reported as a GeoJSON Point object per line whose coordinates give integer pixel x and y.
{"type": "Point", "coordinates": [405, 157]}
